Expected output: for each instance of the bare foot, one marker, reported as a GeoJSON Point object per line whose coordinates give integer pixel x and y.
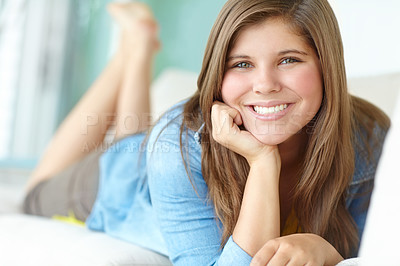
{"type": "Point", "coordinates": [127, 14]}
{"type": "Point", "coordinates": [138, 26]}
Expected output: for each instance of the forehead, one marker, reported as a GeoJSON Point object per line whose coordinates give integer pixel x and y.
{"type": "Point", "coordinates": [270, 35]}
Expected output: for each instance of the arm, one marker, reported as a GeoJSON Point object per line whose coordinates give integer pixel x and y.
{"type": "Point", "coordinates": [259, 215]}
{"type": "Point", "coordinates": [259, 218]}
{"type": "Point", "coordinates": [257, 230]}
{"type": "Point", "coordinates": [186, 217]}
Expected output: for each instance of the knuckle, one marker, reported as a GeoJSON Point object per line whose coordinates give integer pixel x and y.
{"type": "Point", "coordinates": [273, 242]}
{"type": "Point", "coordinates": [286, 247]}
{"type": "Point", "coordinates": [224, 112]}
{"type": "Point", "coordinates": [215, 110]}
{"type": "Point", "coordinates": [301, 252]}
{"type": "Point", "coordinates": [214, 107]}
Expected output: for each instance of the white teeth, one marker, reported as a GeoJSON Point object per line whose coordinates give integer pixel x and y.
{"type": "Point", "coordinates": [269, 110]}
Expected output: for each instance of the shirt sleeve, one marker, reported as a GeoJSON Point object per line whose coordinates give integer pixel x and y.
{"type": "Point", "coordinates": [186, 216]}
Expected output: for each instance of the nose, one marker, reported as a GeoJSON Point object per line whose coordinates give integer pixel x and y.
{"type": "Point", "coordinates": [266, 81]}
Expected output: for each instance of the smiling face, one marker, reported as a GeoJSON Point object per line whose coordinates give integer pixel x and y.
{"type": "Point", "coordinates": [273, 79]}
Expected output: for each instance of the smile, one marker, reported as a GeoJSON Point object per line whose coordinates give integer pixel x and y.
{"type": "Point", "coordinates": [269, 110]}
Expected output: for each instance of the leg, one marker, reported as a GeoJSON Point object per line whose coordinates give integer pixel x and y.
{"type": "Point", "coordinates": [118, 95]}
{"type": "Point", "coordinates": [140, 38]}
{"type": "Point", "coordinates": [84, 128]}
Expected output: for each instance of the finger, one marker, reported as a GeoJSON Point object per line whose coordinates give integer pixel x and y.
{"type": "Point", "coordinates": [300, 258]}
{"type": "Point", "coordinates": [223, 127]}
{"type": "Point", "coordinates": [237, 118]}
{"type": "Point", "coordinates": [222, 118]}
{"type": "Point", "coordinates": [299, 262]}
{"type": "Point", "coordinates": [280, 259]}
{"type": "Point", "coordinates": [265, 254]}
{"type": "Point", "coordinates": [312, 263]}
{"type": "Point", "coordinates": [219, 106]}
{"type": "Point", "coordinates": [227, 112]}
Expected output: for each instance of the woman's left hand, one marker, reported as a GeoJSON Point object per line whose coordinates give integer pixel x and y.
{"type": "Point", "coordinates": [297, 249]}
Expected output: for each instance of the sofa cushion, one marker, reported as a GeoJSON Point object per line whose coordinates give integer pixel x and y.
{"type": "Point", "coordinates": [30, 240]}
{"type": "Point", "coordinates": [171, 86]}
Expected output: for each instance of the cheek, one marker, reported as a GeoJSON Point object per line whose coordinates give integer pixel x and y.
{"type": "Point", "coordinates": [308, 84]}
{"type": "Point", "coordinates": [233, 86]}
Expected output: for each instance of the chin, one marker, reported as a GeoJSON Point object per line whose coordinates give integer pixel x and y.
{"type": "Point", "coordinates": [269, 135]}
{"type": "Point", "coordinates": [271, 139]}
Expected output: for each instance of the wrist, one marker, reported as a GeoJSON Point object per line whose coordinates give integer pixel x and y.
{"type": "Point", "coordinates": [269, 161]}
{"type": "Point", "coordinates": [333, 257]}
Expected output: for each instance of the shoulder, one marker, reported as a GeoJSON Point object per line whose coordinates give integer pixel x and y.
{"type": "Point", "coordinates": [172, 119]}
{"type": "Point", "coordinates": [169, 127]}
{"type": "Point", "coordinates": [171, 155]}
{"type": "Point", "coordinates": [368, 144]}
{"type": "Point", "coordinates": [370, 125]}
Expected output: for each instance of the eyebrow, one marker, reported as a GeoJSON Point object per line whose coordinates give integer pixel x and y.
{"type": "Point", "coordinates": [288, 51]}
{"type": "Point", "coordinates": [237, 57]}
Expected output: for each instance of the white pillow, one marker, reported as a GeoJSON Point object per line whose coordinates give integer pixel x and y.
{"type": "Point", "coordinates": [380, 90]}
{"type": "Point", "coordinates": [30, 240]}
{"type": "Point", "coordinates": [172, 86]}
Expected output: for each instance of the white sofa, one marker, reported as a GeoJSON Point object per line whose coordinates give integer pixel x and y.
{"type": "Point", "coordinates": [28, 240]}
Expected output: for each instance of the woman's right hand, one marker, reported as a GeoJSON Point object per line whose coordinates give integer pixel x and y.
{"type": "Point", "coordinates": [225, 130]}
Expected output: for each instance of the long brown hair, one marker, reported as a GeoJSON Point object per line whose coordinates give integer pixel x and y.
{"type": "Point", "coordinates": [319, 199]}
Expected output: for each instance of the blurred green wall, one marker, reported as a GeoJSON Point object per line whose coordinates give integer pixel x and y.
{"type": "Point", "coordinates": [184, 30]}
{"type": "Point", "coordinates": [185, 26]}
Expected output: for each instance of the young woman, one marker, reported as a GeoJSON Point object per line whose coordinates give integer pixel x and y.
{"type": "Point", "coordinates": [271, 161]}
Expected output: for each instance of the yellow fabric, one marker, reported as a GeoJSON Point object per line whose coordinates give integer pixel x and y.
{"type": "Point", "coordinates": [71, 219]}
{"type": "Point", "coordinates": [291, 225]}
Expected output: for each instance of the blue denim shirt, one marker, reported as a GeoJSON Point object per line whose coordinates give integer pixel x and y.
{"type": "Point", "coordinates": [146, 197]}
